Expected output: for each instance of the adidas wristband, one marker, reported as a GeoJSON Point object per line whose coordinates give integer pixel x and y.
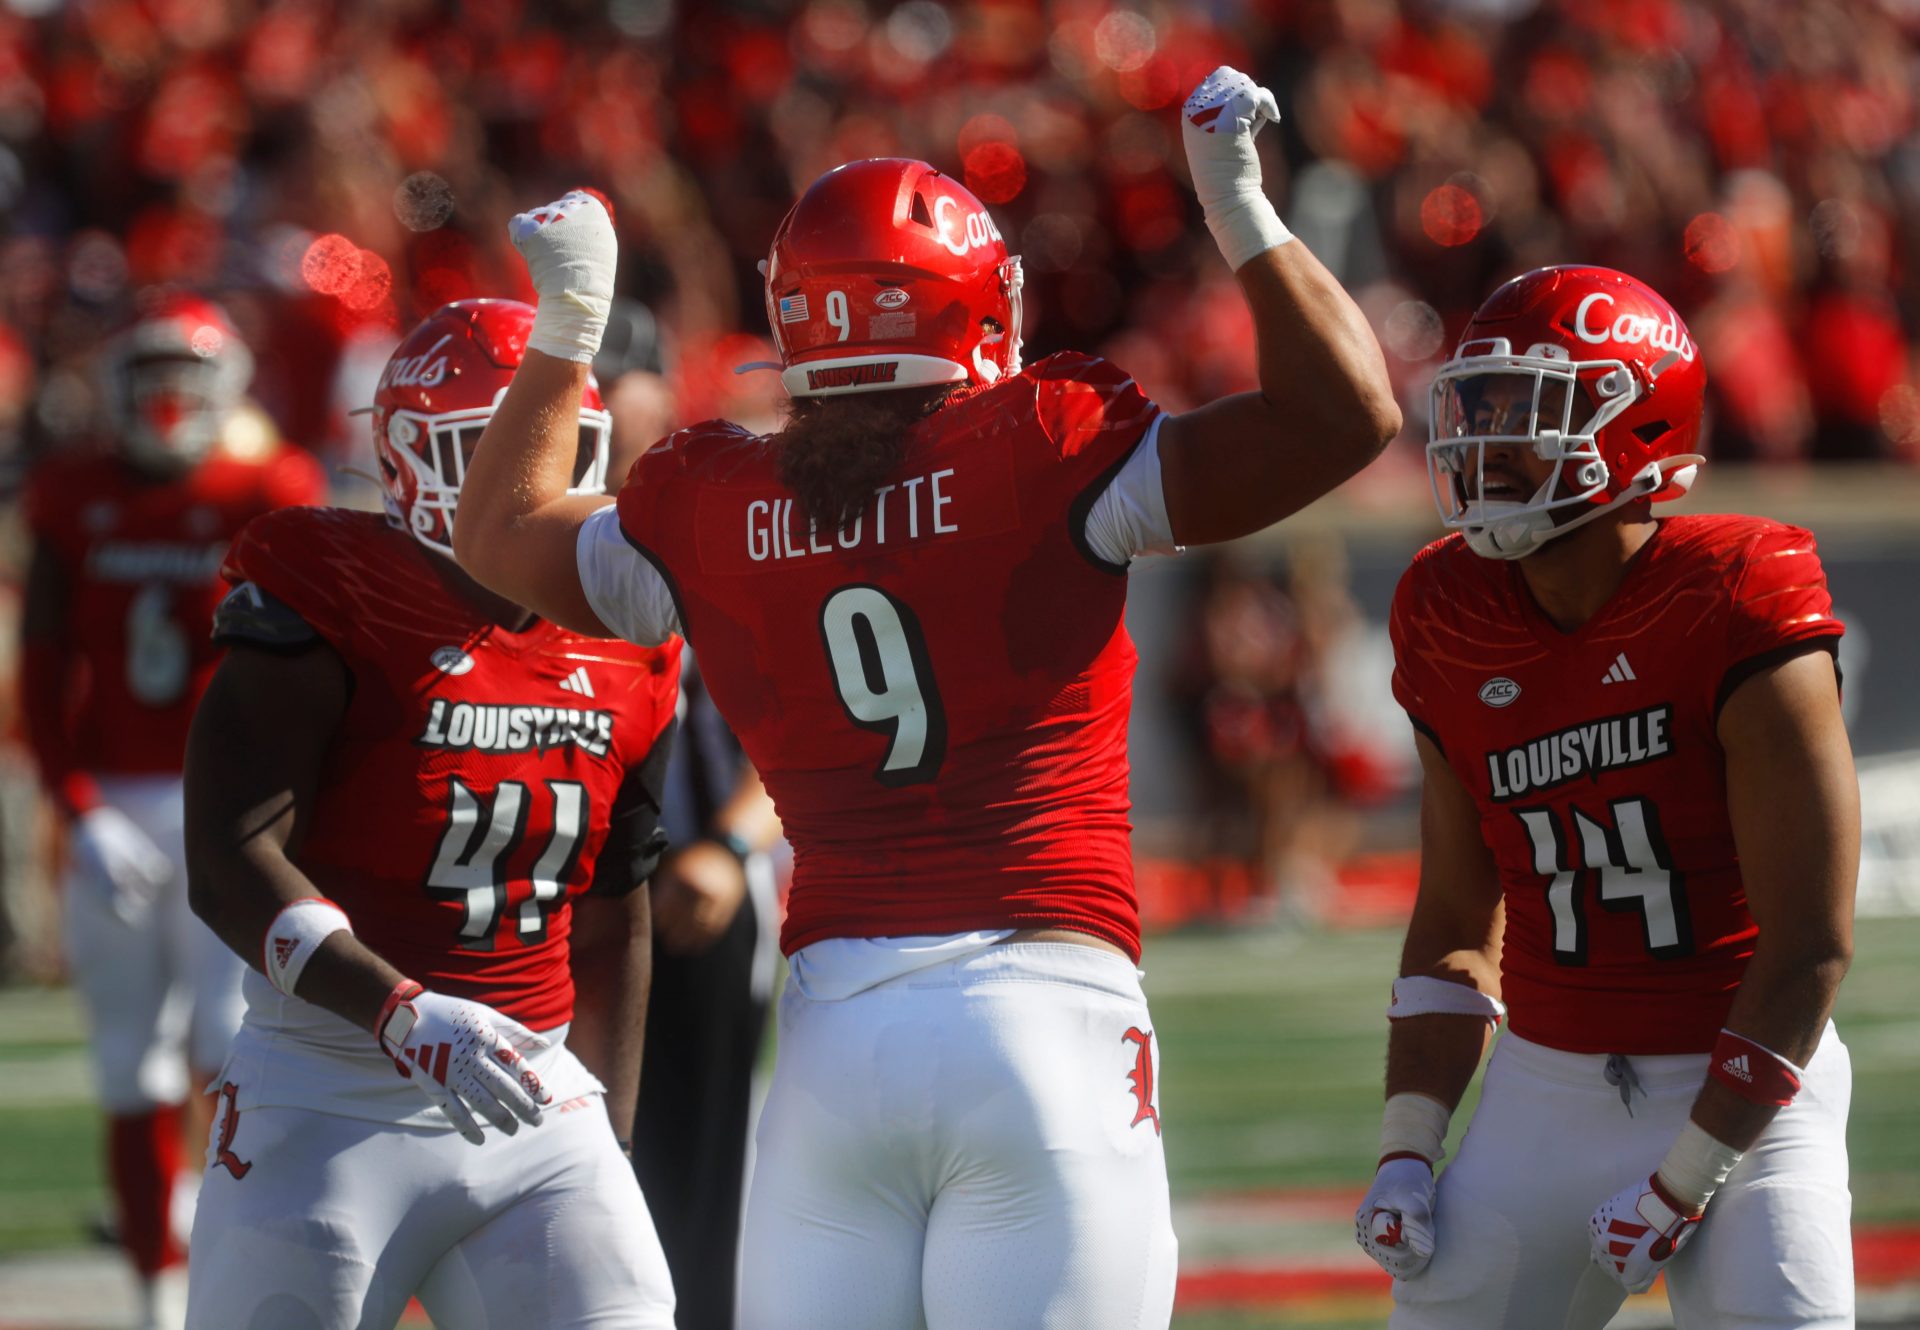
{"type": "Point", "coordinates": [294, 935]}
{"type": "Point", "coordinates": [1424, 995]}
{"type": "Point", "coordinates": [1753, 1071]}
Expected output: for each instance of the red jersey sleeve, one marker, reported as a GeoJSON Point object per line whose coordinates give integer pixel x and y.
{"type": "Point", "coordinates": [1779, 606]}
{"type": "Point", "coordinates": [285, 554]}
{"type": "Point", "coordinates": [1410, 682]}
{"type": "Point", "coordinates": [1091, 410]}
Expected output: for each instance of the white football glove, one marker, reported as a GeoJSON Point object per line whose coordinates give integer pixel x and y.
{"type": "Point", "coordinates": [1218, 124]}
{"type": "Point", "coordinates": [466, 1058]}
{"type": "Point", "coordinates": [571, 251]}
{"type": "Point", "coordinates": [1637, 1232]}
{"type": "Point", "coordinates": [1394, 1223]}
{"type": "Point", "coordinates": [118, 862]}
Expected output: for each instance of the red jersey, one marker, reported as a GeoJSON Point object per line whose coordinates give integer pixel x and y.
{"type": "Point", "coordinates": [140, 559]}
{"type": "Point", "coordinates": [466, 795]}
{"type": "Point", "coordinates": [1595, 762]}
{"type": "Point", "coordinates": [936, 695]}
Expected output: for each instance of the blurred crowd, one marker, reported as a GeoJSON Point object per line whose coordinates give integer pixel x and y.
{"type": "Point", "coordinates": [331, 170]}
{"type": "Point", "coordinates": [334, 168]}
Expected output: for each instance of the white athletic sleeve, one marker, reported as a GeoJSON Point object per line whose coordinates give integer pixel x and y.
{"type": "Point", "coordinates": [624, 588]}
{"type": "Point", "coordinates": [1130, 518]}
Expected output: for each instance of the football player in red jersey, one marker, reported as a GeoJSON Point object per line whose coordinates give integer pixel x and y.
{"type": "Point", "coordinates": [420, 813]}
{"type": "Point", "coordinates": [1640, 828]}
{"type": "Point", "coordinates": [124, 578]}
{"type": "Point", "coordinates": [909, 604]}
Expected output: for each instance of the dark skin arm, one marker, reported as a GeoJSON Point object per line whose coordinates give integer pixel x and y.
{"type": "Point", "coordinates": [612, 958]}
{"type": "Point", "coordinates": [248, 804]}
{"type": "Point", "coordinates": [1324, 410]}
{"type": "Point", "coordinates": [1794, 803]}
{"type": "Point", "coordinates": [1458, 919]}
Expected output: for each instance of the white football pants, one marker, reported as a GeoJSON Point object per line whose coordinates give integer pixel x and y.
{"type": "Point", "coordinates": [336, 1222]}
{"type": "Point", "coordinates": [162, 995]}
{"type": "Point", "coordinates": [971, 1146]}
{"type": "Point", "coordinates": [1551, 1140]}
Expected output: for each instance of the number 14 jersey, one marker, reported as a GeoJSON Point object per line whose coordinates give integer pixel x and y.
{"type": "Point", "coordinates": [1595, 761]}
{"type": "Point", "coordinates": [936, 694]}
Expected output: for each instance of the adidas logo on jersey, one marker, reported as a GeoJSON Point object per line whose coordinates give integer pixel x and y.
{"type": "Point", "coordinates": [578, 682]}
{"type": "Point", "coordinates": [1621, 671]}
{"type": "Point", "coordinates": [1739, 1068]}
{"type": "Point", "coordinates": [515, 729]}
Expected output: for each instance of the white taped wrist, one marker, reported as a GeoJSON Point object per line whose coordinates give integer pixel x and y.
{"type": "Point", "coordinates": [1424, 995]}
{"type": "Point", "coordinates": [1696, 1166]}
{"type": "Point", "coordinates": [294, 935]}
{"type": "Point", "coordinates": [569, 326]}
{"type": "Point", "coordinates": [1415, 1124]}
{"type": "Point", "coordinates": [1245, 227]}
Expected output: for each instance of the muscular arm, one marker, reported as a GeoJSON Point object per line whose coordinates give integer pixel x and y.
{"type": "Point", "coordinates": [248, 803]}
{"type": "Point", "coordinates": [612, 958]}
{"type": "Point", "coordinates": [1794, 802]}
{"type": "Point", "coordinates": [518, 528]}
{"type": "Point", "coordinates": [1454, 935]}
{"type": "Point", "coordinates": [1324, 409]}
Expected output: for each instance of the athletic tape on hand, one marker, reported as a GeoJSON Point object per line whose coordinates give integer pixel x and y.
{"type": "Point", "coordinates": [571, 253]}
{"type": "Point", "coordinates": [1218, 124]}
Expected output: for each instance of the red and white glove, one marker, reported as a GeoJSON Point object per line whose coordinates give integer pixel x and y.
{"type": "Point", "coordinates": [1218, 125]}
{"type": "Point", "coordinates": [1394, 1223]}
{"type": "Point", "coordinates": [1637, 1232]}
{"type": "Point", "coordinates": [117, 862]}
{"type": "Point", "coordinates": [571, 252]}
{"type": "Point", "coordinates": [465, 1057]}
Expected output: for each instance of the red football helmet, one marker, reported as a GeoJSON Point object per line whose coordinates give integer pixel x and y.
{"type": "Point", "coordinates": [889, 274]}
{"type": "Point", "coordinates": [436, 395]}
{"type": "Point", "coordinates": [173, 375]}
{"type": "Point", "coordinates": [1584, 367]}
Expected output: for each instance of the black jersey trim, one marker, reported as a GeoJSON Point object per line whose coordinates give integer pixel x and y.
{"type": "Point", "coordinates": [1741, 671]}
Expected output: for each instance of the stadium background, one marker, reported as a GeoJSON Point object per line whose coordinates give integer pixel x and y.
{"type": "Point", "coordinates": [331, 170]}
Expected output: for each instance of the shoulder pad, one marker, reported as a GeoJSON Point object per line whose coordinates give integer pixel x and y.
{"type": "Point", "coordinates": [258, 618]}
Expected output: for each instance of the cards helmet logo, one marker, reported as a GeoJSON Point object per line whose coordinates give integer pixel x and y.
{"type": "Point", "coordinates": [1499, 692]}
{"type": "Point", "coordinates": [892, 298]}
{"type": "Point", "coordinates": [452, 660]}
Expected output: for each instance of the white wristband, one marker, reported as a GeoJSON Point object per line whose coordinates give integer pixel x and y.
{"type": "Point", "coordinates": [295, 934]}
{"type": "Point", "coordinates": [1415, 1124]}
{"type": "Point", "coordinates": [569, 326]}
{"type": "Point", "coordinates": [1245, 226]}
{"type": "Point", "coordinates": [1424, 995]}
{"type": "Point", "coordinates": [1697, 1165]}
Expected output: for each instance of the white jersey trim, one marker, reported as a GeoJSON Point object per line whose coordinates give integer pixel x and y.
{"type": "Point", "coordinates": [1129, 518]}
{"type": "Point", "coordinates": [621, 584]}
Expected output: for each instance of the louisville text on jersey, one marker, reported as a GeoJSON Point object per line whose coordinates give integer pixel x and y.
{"type": "Point", "coordinates": [1581, 750]}
{"type": "Point", "coordinates": [189, 563]}
{"type": "Point", "coordinates": [771, 522]}
{"type": "Point", "coordinates": [509, 728]}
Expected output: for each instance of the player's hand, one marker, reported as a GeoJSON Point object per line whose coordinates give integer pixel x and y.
{"type": "Point", "coordinates": [113, 857]}
{"type": "Point", "coordinates": [571, 252]}
{"type": "Point", "coordinates": [1218, 124]}
{"type": "Point", "coordinates": [1394, 1223]}
{"type": "Point", "coordinates": [696, 894]}
{"type": "Point", "coordinates": [466, 1058]}
{"type": "Point", "coordinates": [1636, 1233]}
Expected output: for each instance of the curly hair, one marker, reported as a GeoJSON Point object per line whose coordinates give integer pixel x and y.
{"type": "Point", "coordinates": [836, 451]}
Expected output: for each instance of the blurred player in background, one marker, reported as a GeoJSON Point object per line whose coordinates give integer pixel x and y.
{"type": "Point", "coordinates": [1640, 827]}
{"type": "Point", "coordinates": [910, 605]}
{"type": "Point", "coordinates": [125, 574]}
{"type": "Point", "coordinates": [397, 773]}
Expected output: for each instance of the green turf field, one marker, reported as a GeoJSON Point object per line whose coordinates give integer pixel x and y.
{"type": "Point", "coordinates": [1272, 1047]}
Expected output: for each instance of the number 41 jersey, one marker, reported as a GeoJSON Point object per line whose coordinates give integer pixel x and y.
{"type": "Point", "coordinates": [466, 795]}
{"type": "Point", "coordinates": [936, 695]}
{"type": "Point", "coordinates": [1596, 765]}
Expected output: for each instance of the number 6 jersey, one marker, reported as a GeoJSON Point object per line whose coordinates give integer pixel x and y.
{"type": "Point", "coordinates": [936, 694]}
{"type": "Point", "coordinates": [464, 800]}
{"type": "Point", "coordinates": [1596, 765]}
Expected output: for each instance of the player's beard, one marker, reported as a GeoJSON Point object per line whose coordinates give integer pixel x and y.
{"type": "Point", "coordinates": [836, 451]}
